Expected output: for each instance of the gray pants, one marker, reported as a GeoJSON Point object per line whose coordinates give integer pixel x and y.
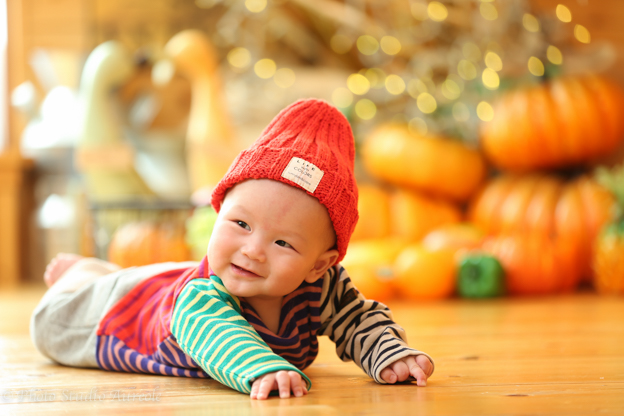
{"type": "Point", "coordinates": [63, 326]}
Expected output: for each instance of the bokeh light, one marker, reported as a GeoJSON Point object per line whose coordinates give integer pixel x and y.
{"type": "Point", "coordinates": [563, 13]}
{"type": "Point", "coordinates": [395, 84]}
{"type": "Point", "coordinates": [554, 55]}
{"type": "Point", "coordinates": [342, 97]}
{"type": "Point", "coordinates": [536, 67]}
{"type": "Point", "coordinates": [239, 58]}
{"type": "Point", "coordinates": [530, 23]}
{"type": "Point", "coordinates": [471, 51]}
{"type": "Point", "coordinates": [340, 44]}
{"type": "Point", "coordinates": [488, 11]}
{"type": "Point", "coordinates": [265, 68]}
{"type": "Point", "coordinates": [390, 45]}
{"type": "Point", "coordinates": [461, 112]}
{"type": "Point", "coordinates": [415, 87]}
{"type": "Point", "coordinates": [358, 84]}
{"type": "Point", "coordinates": [367, 45]}
{"type": "Point", "coordinates": [450, 89]}
{"type": "Point", "coordinates": [284, 77]}
{"type": "Point", "coordinates": [493, 61]}
{"type": "Point", "coordinates": [376, 77]}
{"type": "Point", "coordinates": [466, 70]}
{"type": "Point", "coordinates": [365, 109]}
{"type": "Point", "coordinates": [582, 34]}
{"type": "Point", "coordinates": [437, 11]}
{"type": "Point", "coordinates": [490, 79]}
{"type": "Point", "coordinates": [417, 126]}
{"type": "Point", "coordinates": [485, 111]}
{"type": "Point", "coordinates": [419, 11]}
{"type": "Point", "coordinates": [426, 103]}
{"type": "Point", "coordinates": [255, 6]}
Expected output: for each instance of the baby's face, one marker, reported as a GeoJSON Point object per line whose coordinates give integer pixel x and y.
{"type": "Point", "coordinates": [268, 238]}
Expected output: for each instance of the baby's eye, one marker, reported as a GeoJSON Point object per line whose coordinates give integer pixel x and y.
{"type": "Point", "coordinates": [243, 224]}
{"type": "Point", "coordinates": [283, 243]}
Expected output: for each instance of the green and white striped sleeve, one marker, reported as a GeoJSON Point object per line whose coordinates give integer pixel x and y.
{"type": "Point", "coordinates": [208, 325]}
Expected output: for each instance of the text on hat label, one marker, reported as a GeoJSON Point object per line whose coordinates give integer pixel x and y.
{"type": "Point", "coordinates": [303, 173]}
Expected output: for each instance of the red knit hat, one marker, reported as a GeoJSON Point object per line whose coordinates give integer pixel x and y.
{"type": "Point", "coordinates": [308, 145]}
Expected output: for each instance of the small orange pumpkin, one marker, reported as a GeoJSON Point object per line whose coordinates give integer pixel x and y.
{"type": "Point", "coordinates": [147, 242]}
{"type": "Point", "coordinates": [535, 263]}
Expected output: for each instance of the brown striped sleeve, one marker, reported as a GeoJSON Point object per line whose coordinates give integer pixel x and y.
{"type": "Point", "coordinates": [362, 329]}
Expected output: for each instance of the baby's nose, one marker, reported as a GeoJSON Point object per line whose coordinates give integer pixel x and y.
{"type": "Point", "coordinates": [254, 250]}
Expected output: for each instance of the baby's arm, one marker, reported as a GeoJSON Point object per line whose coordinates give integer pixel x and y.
{"type": "Point", "coordinates": [363, 329]}
{"type": "Point", "coordinates": [208, 326]}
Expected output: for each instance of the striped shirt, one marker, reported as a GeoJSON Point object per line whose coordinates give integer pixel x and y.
{"type": "Point", "coordinates": [185, 323]}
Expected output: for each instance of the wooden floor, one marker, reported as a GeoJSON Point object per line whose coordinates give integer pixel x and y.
{"type": "Point", "coordinates": [537, 356]}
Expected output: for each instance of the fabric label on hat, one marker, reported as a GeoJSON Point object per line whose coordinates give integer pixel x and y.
{"type": "Point", "coordinates": [303, 173]}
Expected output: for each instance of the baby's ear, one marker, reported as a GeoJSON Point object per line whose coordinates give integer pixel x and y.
{"type": "Point", "coordinates": [324, 262]}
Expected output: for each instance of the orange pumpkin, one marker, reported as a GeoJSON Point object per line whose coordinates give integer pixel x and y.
{"type": "Point", "coordinates": [568, 121]}
{"type": "Point", "coordinates": [423, 274]}
{"type": "Point", "coordinates": [608, 260]}
{"type": "Point", "coordinates": [369, 264]}
{"type": "Point", "coordinates": [536, 263]}
{"type": "Point", "coordinates": [147, 242]}
{"type": "Point", "coordinates": [547, 205]}
{"type": "Point", "coordinates": [374, 210]}
{"type": "Point", "coordinates": [435, 165]}
{"type": "Point", "coordinates": [413, 215]}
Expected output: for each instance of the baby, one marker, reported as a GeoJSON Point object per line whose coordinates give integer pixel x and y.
{"type": "Point", "coordinates": [249, 314]}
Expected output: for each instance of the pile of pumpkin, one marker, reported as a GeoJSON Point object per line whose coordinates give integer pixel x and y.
{"type": "Point", "coordinates": [442, 218]}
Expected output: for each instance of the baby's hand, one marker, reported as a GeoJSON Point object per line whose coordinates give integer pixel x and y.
{"type": "Point", "coordinates": [284, 381]}
{"type": "Point", "coordinates": [418, 367]}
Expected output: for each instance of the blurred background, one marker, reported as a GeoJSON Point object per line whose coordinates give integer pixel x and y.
{"type": "Point", "coordinates": [489, 132]}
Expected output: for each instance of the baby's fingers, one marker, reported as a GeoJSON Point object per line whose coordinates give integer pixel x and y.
{"type": "Point", "coordinates": [265, 385]}
{"type": "Point", "coordinates": [417, 372]}
{"type": "Point", "coordinates": [283, 384]}
{"type": "Point", "coordinates": [297, 384]}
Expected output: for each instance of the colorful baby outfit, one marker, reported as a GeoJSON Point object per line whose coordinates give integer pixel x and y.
{"type": "Point", "coordinates": [183, 322]}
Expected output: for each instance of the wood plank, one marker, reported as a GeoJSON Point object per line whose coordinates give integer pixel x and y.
{"type": "Point", "coordinates": [514, 356]}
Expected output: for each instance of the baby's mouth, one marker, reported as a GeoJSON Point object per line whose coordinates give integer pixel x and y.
{"type": "Point", "coordinates": [243, 272]}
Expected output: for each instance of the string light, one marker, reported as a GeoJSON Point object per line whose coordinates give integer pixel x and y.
{"type": "Point", "coordinates": [488, 11]}
{"type": "Point", "coordinates": [390, 45]}
{"type": "Point", "coordinates": [437, 11]}
{"type": "Point", "coordinates": [536, 67]}
{"type": "Point", "coordinates": [367, 45]}
{"type": "Point", "coordinates": [466, 70]}
{"type": "Point", "coordinates": [395, 84]}
{"type": "Point", "coordinates": [450, 89]}
{"type": "Point", "coordinates": [358, 84]}
{"type": "Point", "coordinates": [426, 103]}
{"type": "Point", "coordinates": [239, 58]}
{"type": "Point", "coordinates": [415, 87]}
{"type": "Point", "coordinates": [265, 68]}
{"type": "Point", "coordinates": [471, 51]}
{"type": "Point", "coordinates": [554, 55]}
{"type": "Point", "coordinates": [485, 111]}
{"type": "Point", "coordinates": [376, 77]}
{"type": "Point", "coordinates": [493, 61]}
{"type": "Point", "coordinates": [419, 11]}
{"type": "Point", "coordinates": [340, 44]}
{"type": "Point", "coordinates": [490, 79]}
{"type": "Point", "coordinates": [365, 109]}
{"type": "Point", "coordinates": [530, 23]}
{"type": "Point", "coordinates": [255, 6]}
{"type": "Point", "coordinates": [563, 13]}
{"type": "Point", "coordinates": [582, 34]}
